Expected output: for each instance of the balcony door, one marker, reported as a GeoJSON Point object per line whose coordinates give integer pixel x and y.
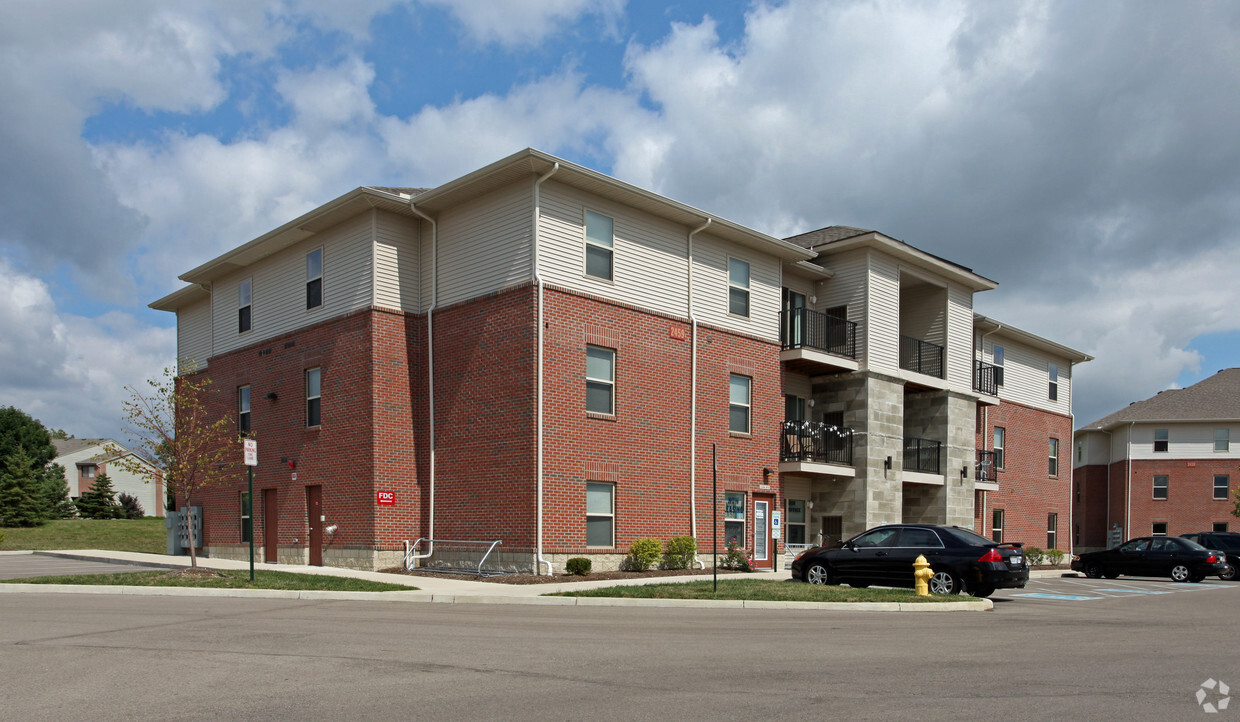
{"type": "Point", "coordinates": [794, 318]}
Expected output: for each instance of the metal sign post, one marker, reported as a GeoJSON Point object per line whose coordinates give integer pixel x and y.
{"type": "Point", "coordinates": [250, 447]}
{"type": "Point", "coordinates": [714, 513]}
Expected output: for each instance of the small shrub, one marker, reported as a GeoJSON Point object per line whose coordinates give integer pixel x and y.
{"type": "Point", "coordinates": [131, 508]}
{"type": "Point", "coordinates": [643, 553]}
{"type": "Point", "coordinates": [1035, 556]}
{"type": "Point", "coordinates": [737, 558]}
{"type": "Point", "coordinates": [680, 551]}
{"type": "Point", "coordinates": [578, 566]}
{"type": "Point", "coordinates": [1055, 556]}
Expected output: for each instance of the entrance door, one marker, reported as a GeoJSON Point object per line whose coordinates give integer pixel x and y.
{"type": "Point", "coordinates": [832, 531]}
{"type": "Point", "coordinates": [762, 552]}
{"type": "Point", "coordinates": [271, 527]}
{"type": "Point", "coordinates": [314, 515]}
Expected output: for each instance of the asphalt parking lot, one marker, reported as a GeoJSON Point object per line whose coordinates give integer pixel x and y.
{"type": "Point", "coordinates": [20, 566]}
{"type": "Point", "coordinates": [1076, 590]}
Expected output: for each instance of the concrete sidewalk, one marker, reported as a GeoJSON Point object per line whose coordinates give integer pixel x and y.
{"type": "Point", "coordinates": [464, 590]}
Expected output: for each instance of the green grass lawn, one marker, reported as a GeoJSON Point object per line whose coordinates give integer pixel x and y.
{"type": "Point", "coordinates": [761, 590]}
{"type": "Point", "coordinates": [125, 535]}
{"type": "Point", "coordinates": [233, 579]}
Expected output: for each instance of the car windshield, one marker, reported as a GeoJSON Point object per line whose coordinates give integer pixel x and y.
{"type": "Point", "coordinates": [969, 537]}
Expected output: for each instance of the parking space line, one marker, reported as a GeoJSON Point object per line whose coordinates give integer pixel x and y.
{"type": "Point", "coordinates": [1056, 597]}
{"type": "Point", "coordinates": [1134, 591]}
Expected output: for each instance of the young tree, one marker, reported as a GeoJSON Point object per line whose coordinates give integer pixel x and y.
{"type": "Point", "coordinates": [56, 501]}
{"type": "Point", "coordinates": [171, 420]}
{"type": "Point", "coordinates": [100, 501]}
{"type": "Point", "coordinates": [21, 499]}
{"type": "Point", "coordinates": [131, 508]}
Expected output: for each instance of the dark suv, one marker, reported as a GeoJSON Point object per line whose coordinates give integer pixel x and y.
{"type": "Point", "coordinates": [1227, 542]}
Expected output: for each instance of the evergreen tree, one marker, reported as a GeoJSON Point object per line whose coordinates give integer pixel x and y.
{"type": "Point", "coordinates": [131, 508]}
{"type": "Point", "coordinates": [21, 492]}
{"type": "Point", "coordinates": [56, 503]}
{"type": "Point", "coordinates": [100, 501]}
{"type": "Point", "coordinates": [19, 430]}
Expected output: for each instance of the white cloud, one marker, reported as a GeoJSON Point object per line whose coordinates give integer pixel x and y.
{"type": "Point", "coordinates": [526, 22]}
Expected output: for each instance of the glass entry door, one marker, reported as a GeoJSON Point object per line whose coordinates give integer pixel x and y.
{"type": "Point", "coordinates": [761, 533]}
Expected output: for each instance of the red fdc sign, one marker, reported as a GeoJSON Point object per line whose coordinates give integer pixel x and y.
{"type": "Point", "coordinates": [385, 497]}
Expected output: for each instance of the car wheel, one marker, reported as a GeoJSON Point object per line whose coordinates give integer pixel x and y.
{"type": "Point", "coordinates": [944, 583]}
{"type": "Point", "coordinates": [1229, 573]}
{"type": "Point", "coordinates": [1093, 571]}
{"type": "Point", "coordinates": [818, 574]}
{"type": "Point", "coordinates": [982, 592]}
{"type": "Point", "coordinates": [1180, 573]}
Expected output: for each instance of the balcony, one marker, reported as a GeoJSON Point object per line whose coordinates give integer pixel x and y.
{"type": "Point", "coordinates": [812, 447]}
{"type": "Point", "coordinates": [986, 467]}
{"type": "Point", "coordinates": [986, 378]}
{"type": "Point", "coordinates": [923, 456]}
{"type": "Point", "coordinates": [816, 341]}
{"type": "Point", "coordinates": [921, 357]}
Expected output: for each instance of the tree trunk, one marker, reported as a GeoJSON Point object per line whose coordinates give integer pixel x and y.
{"type": "Point", "coordinates": [189, 526]}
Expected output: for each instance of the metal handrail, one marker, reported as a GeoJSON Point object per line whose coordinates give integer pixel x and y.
{"type": "Point", "coordinates": [413, 552]}
{"type": "Point", "coordinates": [986, 377]}
{"type": "Point", "coordinates": [921, 356]}
{"type": "Point", "coordinates": [986, 466]}
{"type": "Point", "coordinates": [922, 455]}
{"type": "Point", "coordinates": [816, 441]}
{"type": "Point", "coordinates": [806, 328]}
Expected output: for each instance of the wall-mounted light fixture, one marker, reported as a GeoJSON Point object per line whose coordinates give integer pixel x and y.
{"type": "Point", "coordinates": [271, 396]}
{"type": "Point", "coordinates": [766, 476]}
{"type": "Point", "coordinates": [964, 472]}
{"type": "Point", "coordinates": [887, 463]}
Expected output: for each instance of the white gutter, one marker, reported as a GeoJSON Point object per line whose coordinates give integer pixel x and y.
{"type": "Point", "coordinates": [538, 280]}
{"type": "Point", "coordinates": [430, 374]}
{"type": "Point", "coordinates": [693, 325]}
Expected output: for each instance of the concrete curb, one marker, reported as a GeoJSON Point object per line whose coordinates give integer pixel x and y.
{"type": "Point", "coordinates": [974, 605]}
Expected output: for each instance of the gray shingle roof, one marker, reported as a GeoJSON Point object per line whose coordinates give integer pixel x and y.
{"type": "Point", "coordinates": [1216, 398]}
{"type": "Point", "coordinates": [827, 235]}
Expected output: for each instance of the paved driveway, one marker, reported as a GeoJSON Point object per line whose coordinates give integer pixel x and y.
{"type": "Point", "coordinates": [19, 566]}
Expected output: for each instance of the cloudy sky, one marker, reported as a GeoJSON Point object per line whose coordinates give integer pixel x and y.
{"type": "Point", "coordinates": [1084, 155]}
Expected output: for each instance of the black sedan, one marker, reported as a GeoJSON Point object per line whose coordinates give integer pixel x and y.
{"type": "Point", "coordinates": [1152, 556]}
{"type": "Point", "coordinates": [1226, 542]}
{"type": "Point", "coordinates": [961, 560]}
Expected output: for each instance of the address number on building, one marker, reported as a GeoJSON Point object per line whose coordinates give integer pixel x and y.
{"type": "Point", "coordinates": [385, 497]}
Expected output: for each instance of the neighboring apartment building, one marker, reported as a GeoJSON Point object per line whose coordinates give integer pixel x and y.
{"type": "Point", "coordinates": [540, 354]}
{"type": "Point", "coordinates": [84, 460]}
{"type": "Point", "coordinates": [1165, 465]}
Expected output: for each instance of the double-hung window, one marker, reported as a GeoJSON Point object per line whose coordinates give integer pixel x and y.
{"type": "Point", "coordinates": [600, 246]}
{"type": "Point", "coordinates": [1052, 374]}
{"type": "Point", "coordinates": [1052, 531]}
{"type": "Point", "coordinates": [1222, 439]}
{"type": "Point", "coordinates": [1160, 487]}
{"type": "Point", "coordinates": [1159, 528]}
{"type": "Point", "coordinates": [999, 434]}
{"type": "Point", "coordinates": [244, 304]}
{"type": "Point", "coordinates": [314, 397]}
{"type": "Point", "coordinates": [738, 287]}
{"type": "Point", "coordinates": [1161, 440]}
{"type": "Point", "coordinates": [314, 279]}
{"type": "Point", "coordinates": [1053, 465]}
{"type": "Point", "coordinates": [600, 380]}
{"type": "Point", "coordinates": [996, 526]}
{"type": "Point", "coordinates": [998, 362]}
{"type": "Point", "coordinates": [600, 514]}
{"type": "Point", "coordinates": [1222, 484]}
{"type": "Point", "coordinates": [739, 388]}
{"type": "Point", "coordinates": [243, 410]}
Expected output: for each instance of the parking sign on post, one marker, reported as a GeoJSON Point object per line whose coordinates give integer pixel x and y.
{"type": "Point", "coordinates": [250, 446]}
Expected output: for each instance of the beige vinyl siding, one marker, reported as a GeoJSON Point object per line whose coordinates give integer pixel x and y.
{"type": "Point", "coordinates": [959, 337]}
{"type": "Point", "coordinates": [194, 335]}
{"type": "Point", "coordinates": [847, 288]}
{"type": "Point", "coordinates": [882, 315]}
{"type": "Point", "coordinates": [484, 244]}
{"type": "Point", "coordinates": [710, 287]}
{"type": "Point", "coordinates": [797, 487]}
{"type": "Point", "coordinates": [397, 251]}
{"type": "Point", "coordinates": [797, 385]}
{"type": "Point", "coordinates": [802, 285]}
{"type": "Point", "coordinates": [1025, 379]}
{"type": "Point", "coordinates": [279, 291]}
{"type": "Point", "coordinates": [649, 269]}
{"type": "Point", "coordinates": [923, 312]}
{"type": "Point", "coordinates": [1185, 441]}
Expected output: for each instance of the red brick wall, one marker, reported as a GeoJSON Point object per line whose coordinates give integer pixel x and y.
{"type": "Point", "coordinates": [1090, 511]}
{"type": "Point", "coordinates": [1027, 492]}
{"type": "Point", "coordinates": [1190, 505]}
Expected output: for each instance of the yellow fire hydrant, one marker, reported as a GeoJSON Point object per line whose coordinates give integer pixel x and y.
{"type": "Point", "coordinates": [921, 575]}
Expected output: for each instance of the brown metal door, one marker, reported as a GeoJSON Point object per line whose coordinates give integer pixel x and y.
{"type": "Point", "coordinates": [832, 530]}
{"type": "Point", "coordinates": [314, 515]}
{"type": "Point", "coordinates": [271, 527]}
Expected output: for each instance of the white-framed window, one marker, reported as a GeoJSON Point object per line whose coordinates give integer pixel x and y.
{"type": "Point", "coordinates": [245, 304]}
{"type": "Point", "coordinates": [1222, 439]}
{"type": "Point", "coordinates": [998, 363]}
{"type": "Point", "coordinates": [1052, 375]}
{"type": "Point", "coordinates": [1222, 485]}
{"type": "Point", "coordinates": [314, 279]}
{"type": "Point", "coordinates": [996, 525]}
{"type": "Point", "coordinates": [1080, 451]}
{"type": "Point", "coordinates": [734, 518]}
{"type": "Point", "coordinates": [243, 410]}
{"type": "Point", "coordinates": [1161, 486]}
{"type": "Point", "coordinates": [600, 514]}
{"type": "Point", "coordinates": [795, 521]}
{"type": "Point", "coordinates": [1052, 466]}
{"type": "Point", "coordinates": [600, 380]}
{"type": "Point", "coordinates": [1052, 530]}
{"type": "Point", "coordinates": [1159, 528]}
{"type": "Point", "coordinates": [739, 389]}
{"type": "Point", "coordinates": [314, 397]}
{"type": "Point", "coordinates": [1000, 433]}
{"type": "Point", "coordinates": [738, 287]}
{"type": "Point", "coordinates": [247, 517]}
{"type": "Point", "coordinates": [600, 246]}
{"type": "Point", "coordinates": [1161, 440]}
{"type": "Point", "coordinates": [1219, 526]}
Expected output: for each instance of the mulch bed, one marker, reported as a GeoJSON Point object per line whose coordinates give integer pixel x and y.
{"type": "Point", "coordinates": [556, 579]}
{"type": "Point", "coordinates": [194, 572]}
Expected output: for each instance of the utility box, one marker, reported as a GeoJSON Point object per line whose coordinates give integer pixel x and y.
{"type": "Point", "coordinates": [177, 525]}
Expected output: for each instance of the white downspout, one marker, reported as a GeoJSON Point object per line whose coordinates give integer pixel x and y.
{"type": "Point", "coordinates": [1110, 450]}
{"type": "Point", "coordinates": [1128, 481]}
{"type": "Point", "coordinates": [693, 324]}
{"type": "Point", "coordinates": [538, 281]}
{"type": "Point", "coordinates": [430, 375]}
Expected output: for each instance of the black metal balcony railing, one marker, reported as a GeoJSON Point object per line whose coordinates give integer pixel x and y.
{"type": "Point", "coordinates": [922, 455]}
{"type": "Point", "coordinates": [805, 328]}
{"type": "Point", "coordinates": [987, 377]}
{"type": "Point", "coordinates": [986, 466]}
{"type": "Point", "coordinates": [816, 441]}
{"type": "Point", "coordinates": [921, 356]}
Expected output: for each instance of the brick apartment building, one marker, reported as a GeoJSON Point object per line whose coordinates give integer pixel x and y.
{"type": "Point", "coordinates": [1165, 465]}
{"type": "Point", "coordinates": [542, 355]}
